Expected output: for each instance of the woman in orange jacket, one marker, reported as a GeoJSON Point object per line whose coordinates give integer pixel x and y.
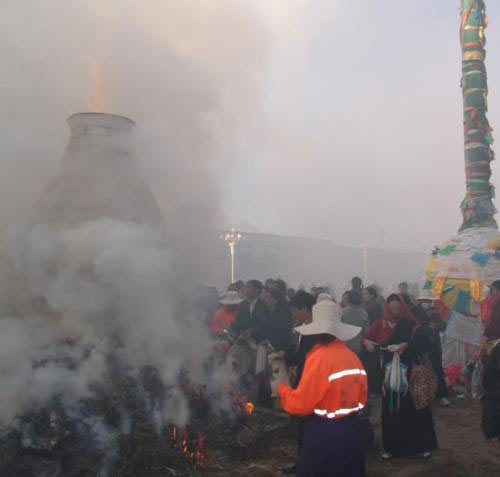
{"type": "Point", "coordinates": [331, 392]}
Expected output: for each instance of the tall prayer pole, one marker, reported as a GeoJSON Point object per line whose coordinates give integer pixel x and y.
{"type": "Point", "coordinates": [477, 207]}
{"type": "Point", "coordinates": [461, 269]}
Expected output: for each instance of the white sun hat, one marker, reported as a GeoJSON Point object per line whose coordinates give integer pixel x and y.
{"type": "Point", "coordinates": [324, 297]}
{"type": "Point", "coordinates": [231, 298]}
{"type": "Point", "coordinates": [426, 294]}
{"type": "Point", "coordinates": [327, 319]}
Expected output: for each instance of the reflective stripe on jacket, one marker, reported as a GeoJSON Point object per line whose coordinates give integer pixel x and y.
{"type": "Point", "coordinates": [333, 384]}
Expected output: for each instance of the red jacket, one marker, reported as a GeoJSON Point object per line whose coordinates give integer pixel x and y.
{"type": "Point", "coordinates": [222, 320]}
{"type": "Point", "coordinates": [333, 384]}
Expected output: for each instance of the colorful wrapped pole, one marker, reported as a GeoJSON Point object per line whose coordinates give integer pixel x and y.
{"type": "Point", "coordinates": [461, 269]}
{"type": "Point", "coordinates": [477, 207]}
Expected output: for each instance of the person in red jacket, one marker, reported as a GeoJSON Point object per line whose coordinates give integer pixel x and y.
{"type": "Point", "coordinates": [331, 392]}
{"type": "Point", "coordinates": [225, 316]}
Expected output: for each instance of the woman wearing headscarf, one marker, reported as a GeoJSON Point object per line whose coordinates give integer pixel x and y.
{"type": "Point", "coordinates": [330, 394]}
{"type": "Point", "coordinates": [428, 316]}
{"type": "Point", "coordinates": [405, 430]}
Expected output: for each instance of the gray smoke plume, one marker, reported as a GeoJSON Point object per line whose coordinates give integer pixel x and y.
{"type": "Point", "coordinates": [187, 73]}
{"type": "Point", "coordinates": [77, 294]}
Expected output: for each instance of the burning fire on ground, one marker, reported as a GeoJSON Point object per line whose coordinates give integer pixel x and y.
{"type": "Point", "coordinates": [191, 446]}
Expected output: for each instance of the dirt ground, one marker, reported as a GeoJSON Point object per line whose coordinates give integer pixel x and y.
{"type": "Point", "coordinates": [463, 452]}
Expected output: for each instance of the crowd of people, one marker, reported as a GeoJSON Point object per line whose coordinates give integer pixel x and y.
{"type": "Point", "coordinates": [326, 364]}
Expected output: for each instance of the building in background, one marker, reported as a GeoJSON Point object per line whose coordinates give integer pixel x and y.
{"type": "Point", "coordinates": [310, 261]}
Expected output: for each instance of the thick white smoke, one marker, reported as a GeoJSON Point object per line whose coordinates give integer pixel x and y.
{"type": "Point", "coordinates": [81, 294]}
{"type": "Point", "coordinates": [187, 72]}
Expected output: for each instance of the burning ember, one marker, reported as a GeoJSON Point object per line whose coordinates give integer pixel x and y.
{"type": "Point", "coordinates": [193, 447]}
{"type": "Point", "coordinates": [248, 408]}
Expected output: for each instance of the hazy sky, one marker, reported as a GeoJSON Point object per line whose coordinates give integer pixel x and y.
{"type": "Point", "coordinates": [364, 122]}
{"type": "Point", "coordinates": [335, 118]}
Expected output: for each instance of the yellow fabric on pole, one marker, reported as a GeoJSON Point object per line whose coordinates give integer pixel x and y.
{"type": "Point", "coordinates": [475, 290]}
{"type": "Point", "coordinates": [430, 270]}
{"type": "Point", "coordinates": [452, 287]}
{"type": "Point", "coordinates": [438, 286]}
{"type": "Point", "coordinates": [474, 90]}
{"type": "Point", "coordinates": [494, 243]}
{"type": "Point", "coordinates": [473, 56]}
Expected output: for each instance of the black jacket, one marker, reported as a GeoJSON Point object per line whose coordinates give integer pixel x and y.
{"type": "Point", "coordinates": [374, 313]}
{"type": "Point", "coordinates": [243, 318]}
{"type": "Point", "coordinates": [490, 420]}
{"type": "Point", "coordinates": [276, 328]}
{"type": "Point", "coordinates": [250, 320]}
{"type": "Point", "coordinates": [295, 355]}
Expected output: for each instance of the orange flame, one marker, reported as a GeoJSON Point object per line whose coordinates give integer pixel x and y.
{"type": "Point", "coordinates": [173, 436]}
{"type": "Point", "coordinates": [97, 101]}
{"type": "Point", "coordinates": [248, 407]}
{"type": "Point", "coordinates": [193, 449]}
{"type": "Point", "coordinates": [200, 454]}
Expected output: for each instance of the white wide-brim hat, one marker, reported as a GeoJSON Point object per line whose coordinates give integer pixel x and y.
{"type": "Point", "coordinates": [231, 298]}
{"type": "Point", "coordinates": [323, 297]}
{"type": "Point", "coordinates": [327, 319]}
{"type": "Point", "coordinates": [426, 294]}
